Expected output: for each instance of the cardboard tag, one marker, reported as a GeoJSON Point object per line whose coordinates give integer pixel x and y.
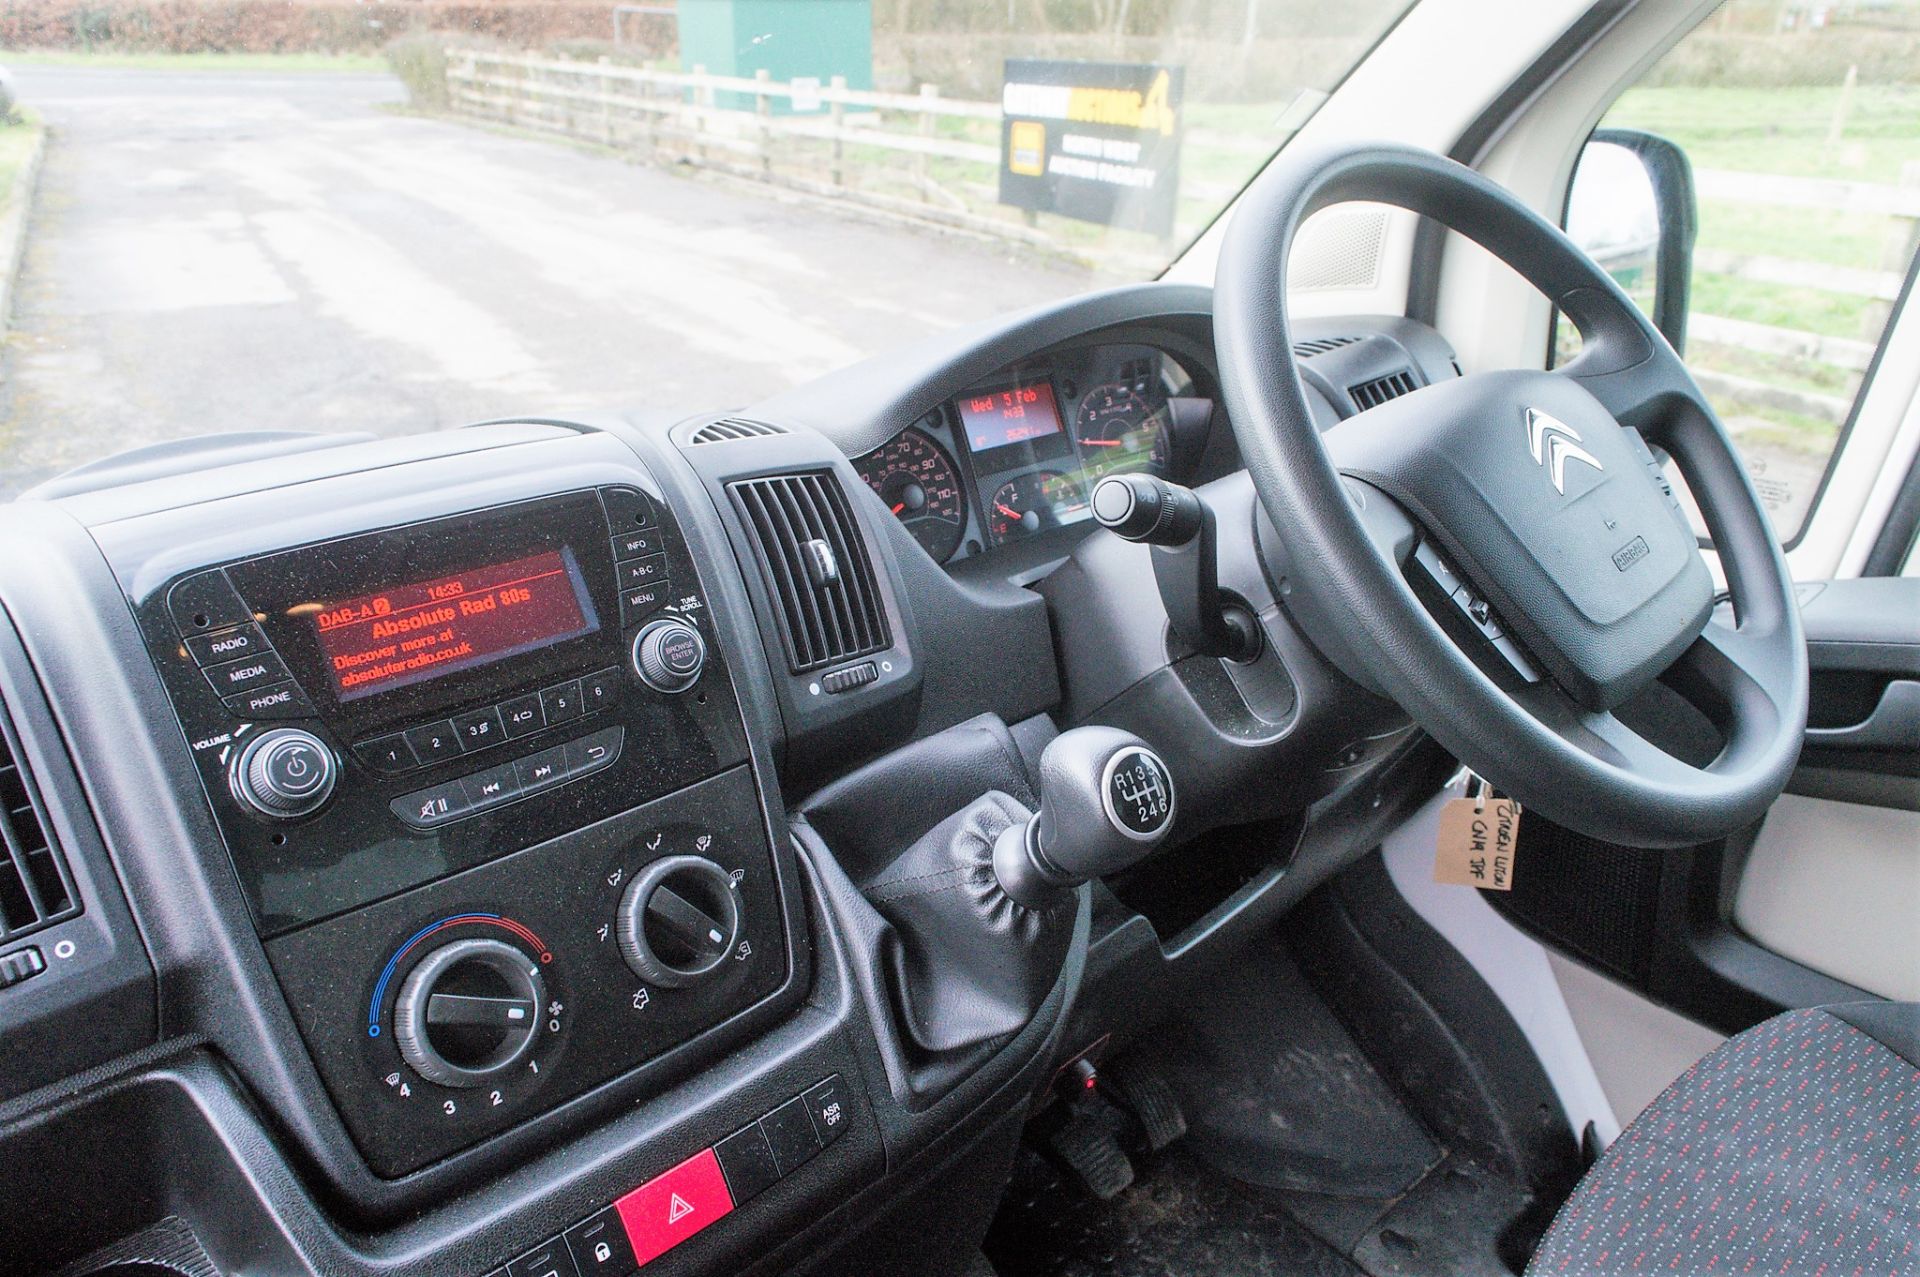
{"type": "Point", "coordinates": [1477, 842]}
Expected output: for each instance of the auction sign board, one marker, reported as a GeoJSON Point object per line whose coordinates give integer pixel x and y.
{"type": "Point", "coordinates": [1096, 141]}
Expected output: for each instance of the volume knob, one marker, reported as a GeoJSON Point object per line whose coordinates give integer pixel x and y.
{"type": "Point", "coordinates": [284, 774]}
{"type": "Point", "coordinates": [669, 655]}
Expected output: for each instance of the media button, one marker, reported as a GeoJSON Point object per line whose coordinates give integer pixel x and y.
{"type": "Point", "coordinates": [600, 690]}
{"type": "Point", "coordinates": [228, 645]}
{"type": "Point", "coordinates": [434, 742]}
{"type": "Point", "coordinates": [257, 670]}
{"type": "Point", "coordinates": [541, 770]}
{"type": "Point", "coordinates": [282, 700]}
{"type": "Point", "coordinates": [478, 730]}
{"type": "Point", "coordinates": [491, 787]}
{"type": "Point", "coordinates": [631, 545]}
{"type": "Point", "coordinates": [388, 754]}
{"type": "Point", "coordinates": [562, 702]}
{"type": "Point", "coordinates": [429, 808]}
{"type": "Point", "coordinates": [643, 571]}
{"type": "Point", "coordinates": [522, 715]}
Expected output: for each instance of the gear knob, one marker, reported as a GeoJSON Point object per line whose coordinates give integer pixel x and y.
{"type": "Point", "coordinates": [1106, 800]}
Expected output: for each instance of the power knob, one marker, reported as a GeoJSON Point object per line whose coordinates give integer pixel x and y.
{"type": "Point", "coordinates": [669, 655]}
{"type": "Point", "coordinates": [469, 1012]}
{"type": "Point", "coordinates": [679, 920]}
{"type": "Point", "coordinates": [283, 774]}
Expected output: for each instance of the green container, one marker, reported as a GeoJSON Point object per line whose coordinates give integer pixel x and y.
{"type": "Point", "coordinates": [784, 38]}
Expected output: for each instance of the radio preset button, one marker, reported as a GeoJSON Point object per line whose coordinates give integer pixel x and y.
{"type": "Point", "coordinates": [641, 571]}
{"type": "Point", "coordinates": [600, 690]}
{"type": "Point", "coordinates": [562, 701]}
{"type": "Point", "coordinates": [257, 670]}
{"type": "Point", "coordinates": [631, 545]}
{"type": "Point", "coordinates": [388, 754]}
{"type": "Point", "coordinates": [229, 645]}
{"type": "Point", "coordinates": [626, 509]}
{"type": "Point", "coordinates": [479, 730]}
{"type": "Point", "coordinates": [522, 715]}
{"type": "Point", "coordinates": [282, 700]}
{"type": "Point", "coordinates": [434, 742]}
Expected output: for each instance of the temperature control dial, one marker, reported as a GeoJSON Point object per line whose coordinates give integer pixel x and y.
{"type": "Point", "coordinates": [284, 774]}
{"type": "Point", "coordinates": [469, 1012]}
{"type": "Point", "coordinates": [679, 920]}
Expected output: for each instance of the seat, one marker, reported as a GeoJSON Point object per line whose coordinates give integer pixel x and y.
{"type": "Point", "coordinates": [1792, 1148]}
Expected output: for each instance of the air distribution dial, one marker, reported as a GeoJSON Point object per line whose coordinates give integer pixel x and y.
{"type": "Point", "coordinates": [469, 1012]}
{"type": "Point", "coordinates": [678, 921]}
{"type": "Point", "coordinates": [669, 655]}
{"type": "Point", "coordinates": [283, 774]}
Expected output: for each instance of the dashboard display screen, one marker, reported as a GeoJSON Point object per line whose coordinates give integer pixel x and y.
{"type": "Point", "coordinates": [424, 629]}
{"type": "Point", "coordinates": [1016, 415]}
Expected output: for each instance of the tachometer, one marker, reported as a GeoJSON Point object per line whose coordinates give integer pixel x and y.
{"type": "Point", "coordinates": [1117, 429]}
{"type": "Point", "coordinates": [916, 478]}
{"type": "Point", "coordinates": [1032, 503]}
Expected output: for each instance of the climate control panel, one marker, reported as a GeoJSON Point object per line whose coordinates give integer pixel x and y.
{"type": "Point", "coordinates": [486, 998]}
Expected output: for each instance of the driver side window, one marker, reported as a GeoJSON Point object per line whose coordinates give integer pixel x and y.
{"type": "Point", "coordinates": [1800, 122]}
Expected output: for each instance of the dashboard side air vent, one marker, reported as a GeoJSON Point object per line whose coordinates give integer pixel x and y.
{"type": "Point", "coordinates": [1371, 394]}
{"type": "Point", "coordinates": [1320, 346]}
{"type": "Point", "coordinates": [34, 887]}
{"type": "Point", "coordinates": [728, 429]}
{"type": "Point", "coordinates": [816, 567]}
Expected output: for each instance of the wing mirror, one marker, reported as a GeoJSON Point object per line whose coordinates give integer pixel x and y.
{"type": "Point", "coordinates": [1631, 208]}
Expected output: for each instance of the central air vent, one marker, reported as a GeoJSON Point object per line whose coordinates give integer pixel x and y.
{"type": "Point", "coordinates": [816, 567]}
{"type": "Point", "coordinates": [1371, 394]}
{"type": "Point", "coordinates": [34, 889]}
{"type": "Point", "coordinates": [1320, 346]}
{"type": "Point", "coordinates": [728, 429]}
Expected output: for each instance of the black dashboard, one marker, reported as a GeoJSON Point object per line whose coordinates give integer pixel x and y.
{"type": "Point", "coordinates": [457, 853]}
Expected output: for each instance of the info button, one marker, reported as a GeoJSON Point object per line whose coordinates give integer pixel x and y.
{"type": "Point", "coordinates": [665, 1211]}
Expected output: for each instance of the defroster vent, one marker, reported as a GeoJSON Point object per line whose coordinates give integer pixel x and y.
{"type": "Point", "coordinates": [816, 567]}
{"type": "Point", "coordinates": [34, 887]}
{"type": "Point", "coordinates": [728, 429]}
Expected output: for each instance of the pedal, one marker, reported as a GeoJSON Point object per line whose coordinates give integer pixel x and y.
{"type": "Point", "coordinates": [1086, 1143]}
{"type": "Point", "coordinates": [1146, 1095]}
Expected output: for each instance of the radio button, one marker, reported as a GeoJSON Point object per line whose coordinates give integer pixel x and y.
{"type": "Point", "coordinates": [207, 602]}
{"type": "Point", "coordinates": [249, 671]}
{"type": "Point", "coordinates": [640, 602]}
{"type": "Point", "coordinates": [631, 545]}
{"type": "Point", "coordinates": [479, 730]}
{"type": "Point", "coordinates": [562, 702]}
{"type": "Point", "coordinates": [230, 645]}
{"type": "Point", "coordinates": [283, 700]}
{"type": "Point", "coordinates": [538, 771]}
{"type": "Point", "coordinates": [522, 715]}
{"type": "Point", "coordinates": [491, 787]}
{"type": "Point", "coordinates": [434, 742]}
{"type": "Point", "coordinates": [430, 808]}
{"type": "Point", "coordinates": [600, 690]}
{"type": "Point", "coordinates": [643, 571]}
{"type": "Point", "coordinates": [626, 509]}
{"type": "Point", "coordinates": [388, 754]}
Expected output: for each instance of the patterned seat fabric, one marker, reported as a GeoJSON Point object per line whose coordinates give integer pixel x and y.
{"type": "Point", "coordinates": [1793, 1148]}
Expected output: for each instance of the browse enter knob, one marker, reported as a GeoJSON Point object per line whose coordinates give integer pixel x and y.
{"type": "Point", "coordinates": [669, 655]}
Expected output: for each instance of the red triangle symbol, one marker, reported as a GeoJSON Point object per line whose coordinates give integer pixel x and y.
{"type": "Point", "coordinates": [678, 1209]}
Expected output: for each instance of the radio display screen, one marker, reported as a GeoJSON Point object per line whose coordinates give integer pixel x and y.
{"type": "Point", "coordinates": [421, 630]}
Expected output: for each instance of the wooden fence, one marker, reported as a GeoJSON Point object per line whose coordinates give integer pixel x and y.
{"type": "Point", "coordinates": [932, 158]}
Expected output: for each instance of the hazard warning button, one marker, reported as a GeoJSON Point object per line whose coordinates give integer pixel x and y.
{"type": "Point", "coordinates": [671, 1207]}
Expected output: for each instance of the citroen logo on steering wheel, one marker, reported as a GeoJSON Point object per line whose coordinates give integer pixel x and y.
{"type": "Point", "coordinates": [1554, 443]}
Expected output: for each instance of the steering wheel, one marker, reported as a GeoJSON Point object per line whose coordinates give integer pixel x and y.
{"type": "Point", "coordinates": [1525, 507]}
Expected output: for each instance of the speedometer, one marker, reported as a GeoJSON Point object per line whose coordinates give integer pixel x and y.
{"type": "Point", "coordinates": [916, 478]}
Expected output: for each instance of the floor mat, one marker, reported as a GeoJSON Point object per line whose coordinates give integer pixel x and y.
{"type": "Point", "coordinates": [1177, 1218]}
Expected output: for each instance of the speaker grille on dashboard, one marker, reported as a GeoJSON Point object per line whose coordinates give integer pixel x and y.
{"type": "Point", "coordinates": [816, 567]}
{"type": "Point", "coordinates": [34, 888]}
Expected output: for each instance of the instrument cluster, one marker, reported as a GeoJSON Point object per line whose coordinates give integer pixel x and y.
{"type": "Point", "coordinates": [1018, 455]}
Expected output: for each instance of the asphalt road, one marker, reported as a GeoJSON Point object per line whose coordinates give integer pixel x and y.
{"type": "Point", "coordinates": [233, 251]}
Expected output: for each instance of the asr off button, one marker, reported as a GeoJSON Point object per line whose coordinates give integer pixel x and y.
{"type": "Point", "coordinates": [283, 774]}
{"type": "Point", "coordinates": [669, 655]}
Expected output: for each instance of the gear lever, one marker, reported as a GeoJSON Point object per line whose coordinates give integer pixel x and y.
{"type": "Point", "coordinates": [1106, 800]}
